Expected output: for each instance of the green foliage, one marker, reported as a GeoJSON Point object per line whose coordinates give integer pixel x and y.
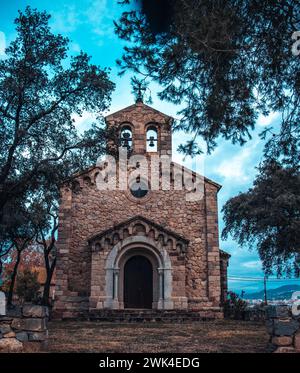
{"type": "Point", "coordinates": [235, 307]}
{"type": "Point", "coordinates": [267, 216]}
{"type": "Point", "coordinates": [27, 286]}
{"type": "Point", "coordinates": [39, 94]}
{"type": "Point", "coordinates": [224, 61]}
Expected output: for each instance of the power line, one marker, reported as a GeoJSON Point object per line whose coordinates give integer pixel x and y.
{"type": "Point", "coordinates": [242, 278]}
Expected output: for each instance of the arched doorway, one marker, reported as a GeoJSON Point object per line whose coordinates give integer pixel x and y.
{"type": "Point", "coordinates": [138, 282]}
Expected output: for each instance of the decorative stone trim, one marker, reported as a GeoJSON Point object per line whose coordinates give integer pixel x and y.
{"type": "Point", "coordinates": [116, 260]}
{"type": "Point", "coordinates": [139, 226]}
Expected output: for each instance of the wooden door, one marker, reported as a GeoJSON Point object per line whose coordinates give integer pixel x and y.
{"type": "Point", "coordinates": [138, 283]}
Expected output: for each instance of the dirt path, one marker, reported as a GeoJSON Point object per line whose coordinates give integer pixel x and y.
{"type": "Point", "coordinates": [209, 336]}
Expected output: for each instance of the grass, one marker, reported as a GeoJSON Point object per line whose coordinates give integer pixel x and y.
{"type": "Point", "coordinates": [206, 336]}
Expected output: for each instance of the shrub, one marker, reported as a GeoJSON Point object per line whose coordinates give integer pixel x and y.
{"type": "Point", "coordinates": [235, 307]}
{"type": "Point", "coordinates": [28, 287]}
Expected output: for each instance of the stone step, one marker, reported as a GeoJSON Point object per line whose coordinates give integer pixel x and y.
{"type": "Point", "coordinates": [147, 316]}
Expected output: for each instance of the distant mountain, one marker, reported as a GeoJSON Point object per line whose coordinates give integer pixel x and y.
{"type": "Point", "coordinates": [283, 292]}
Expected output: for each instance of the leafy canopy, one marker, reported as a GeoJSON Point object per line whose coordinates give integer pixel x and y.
{"type": "Point", "coordinates": [223, 61]}
{"type": "Point", "coordinates": [41, 88]}
{"type": "Point", "coordinates": [268, 217]}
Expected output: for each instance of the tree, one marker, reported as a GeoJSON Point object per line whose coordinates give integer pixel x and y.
{"type": "Point", "coordinates": [267, 216]}
{"type": "Point", "coordinates": [49, 250]}
{"type": "Point", "coordinates": [39, 93]}
{"type": "Point", "coordinates": [20, 234]}
{"type": "Point", "coordinates": [224, 61]}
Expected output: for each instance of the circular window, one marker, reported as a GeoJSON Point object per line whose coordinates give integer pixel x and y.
{"type": "Point", "coordinates": [139, 189]}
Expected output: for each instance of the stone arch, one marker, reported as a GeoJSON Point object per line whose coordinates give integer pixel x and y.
{"type": "Point", "coordinates": [162, 271]}
{"type": "Point", "coordinates": [139, 226]}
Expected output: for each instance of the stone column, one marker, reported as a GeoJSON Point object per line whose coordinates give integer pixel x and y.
{"type": "Point", "coordinates": [167, 288]}
{"type": "Point", "coordinates": [160, 304]}
{"type": "Point", "coordinates": [116, 288]}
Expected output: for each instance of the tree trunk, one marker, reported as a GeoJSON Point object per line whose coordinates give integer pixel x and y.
{"type": "Point", "coordinates": [49, 274]}
{"type": "Point", "coordinates": [13, 280]}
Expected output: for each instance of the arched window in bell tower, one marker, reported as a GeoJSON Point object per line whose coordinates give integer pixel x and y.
{"type": "Point", "coordinates": [126, 140]}
{"type": "Point", "coordinates": [151, 139]}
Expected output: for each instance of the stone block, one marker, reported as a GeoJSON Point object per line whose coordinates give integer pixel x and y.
{"type": "Point", "coordinates": [14, 311]}
{"type": "Point", "coordinates": [285, 350]}
{"type": "Point", "coordinates": [5, 328]}
{"type": "Point", "coordinates": [38, 336]}
{"type": "Point", "coordinates": [10, 345]}
{"type": "Point", "coordinates": [22, 336]}
{"type": "Point", "coordinates": [280, 312]}
{"type": "Point", "coordinates": [18, 324]}
{"type": "Point", "coordinates": [297, 341]}
{"type": "Point", "coordinates": [30, 310]}
{"type": "Point", "coordinates": [5, 320]}
{"type": "Point", "coordinates": [285, 327]}
{"type": "Point", "coordinates": [10, 335]}
{"type": "Point", "coordinates": [282, 341]}
{"type": "Point", "coordinates": [32, 324]}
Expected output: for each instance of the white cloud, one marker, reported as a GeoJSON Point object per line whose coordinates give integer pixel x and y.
{"type": "Point", "coordinates": [83, 121]}
{"type": "Point", "coordinates": [100, 15]}
{"type": "Point", "coordinates": [66, 20]}
{"type": "Point", "coordinates": [2, 43]}
{"type": "Point", "coordinates": [255, 264]}
{"type": "Point", "coordinates": [75, 47]}
{"type": "Point", "coordinates": [264, 121]}
{"type": "Point", "coordinates": [237, 167]}
{"type": "Point", "coordinates": [97, 10]}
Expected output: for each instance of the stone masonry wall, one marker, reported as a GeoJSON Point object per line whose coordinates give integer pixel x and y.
{"type": "Point", "coordinates": [284, 330]}
{"type": "Point", "coordinates": [24, 329]}
{"type": "Point", "coordinates": [92, 211]}
{"type": "Point", "coordinates": [86, 211]}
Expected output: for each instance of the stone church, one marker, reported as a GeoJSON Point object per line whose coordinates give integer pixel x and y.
{"type": "Point", "coordinates": [139, 248]}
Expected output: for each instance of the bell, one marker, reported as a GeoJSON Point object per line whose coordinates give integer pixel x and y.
{"type": "Point", "coordinates": [126, 139]}
{"type": "Point", "coordinates": [151, 142]}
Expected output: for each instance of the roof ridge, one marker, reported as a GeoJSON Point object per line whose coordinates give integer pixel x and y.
{"type": "Point", "coordinates": [138, 105]}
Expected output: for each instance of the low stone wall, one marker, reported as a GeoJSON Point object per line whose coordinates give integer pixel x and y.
{"type": "Point", "coordinates": [284, 330]}
{"type": "Point", "coordinates": [24, 329]}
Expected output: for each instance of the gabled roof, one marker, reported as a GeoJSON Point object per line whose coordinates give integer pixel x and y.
{"type": "Point", "coordinates": [135, 107]}
{"type": "Point", "coordinates": [224, 254]}
{"type": "Point", "coordinates": [207, 180]}
{"type": "Point", "coordinates": [90, 169]}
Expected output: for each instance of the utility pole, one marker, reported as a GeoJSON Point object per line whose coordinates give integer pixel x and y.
{"type": "Point", "coordinates": [265, 290]}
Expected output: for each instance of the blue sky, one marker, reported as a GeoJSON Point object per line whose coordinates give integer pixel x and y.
{"type": "Point", "coordinates": [89, 26]}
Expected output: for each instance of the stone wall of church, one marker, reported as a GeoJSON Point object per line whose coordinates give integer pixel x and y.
{"type": "Point", "coordinates": [86, 211]}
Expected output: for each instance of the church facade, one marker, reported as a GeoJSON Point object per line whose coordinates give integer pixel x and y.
{"type": "Point", "coordinates": [145, 245]}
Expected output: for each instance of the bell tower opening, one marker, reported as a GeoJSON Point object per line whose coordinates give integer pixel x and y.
{"type": "Point", "coordinates": [126, 139]}
{"type": "Point", "coordinates": [141, 129]}
{"type": "Point", "coordinates": [151, 139]}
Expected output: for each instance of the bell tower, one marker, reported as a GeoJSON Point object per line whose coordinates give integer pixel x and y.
{"type": "Point", "coordinates": [142, 129]}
